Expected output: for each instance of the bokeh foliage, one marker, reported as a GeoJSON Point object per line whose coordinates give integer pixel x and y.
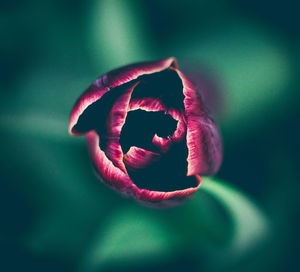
{"type": "Point", "coordinates": [56, 216]}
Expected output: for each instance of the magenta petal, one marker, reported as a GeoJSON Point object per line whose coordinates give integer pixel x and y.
{"type": "Point", "coordinates": [163, 144]}
{"type": "Point", "coordinates": [115, 122]}
{"type": "Point", "coordinates": [117, 115]}
{"type": "Point", "coordinates": [156, 196]}
{"type": "Point", "coordinates": [147, 104]}
{"type": "Point", "coordinates": [137, 158]}
{"type": "Point", "coordinates": [180, 131]}
{"type": "Point", "coordinates": [130, 72]}
{"type": "Point", "coordinates": [91, 95]}
{"type": "Point", "coordinates": [110, 174]}
{"type": "Point", "coordinates": [114, 153]}
{"type": "Point", "coordinates": [203, 139]}
{"type": "Point", "coordinates": [113, 79]}
{"type": "Point", "coordinates": [120, 181]}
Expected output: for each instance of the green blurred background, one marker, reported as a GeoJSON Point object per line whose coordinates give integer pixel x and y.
{"type": "Point", "coordinates": [55, 214]}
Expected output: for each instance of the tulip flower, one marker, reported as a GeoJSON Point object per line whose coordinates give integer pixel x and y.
{"type": "Point", "coordinates": [148, 132]}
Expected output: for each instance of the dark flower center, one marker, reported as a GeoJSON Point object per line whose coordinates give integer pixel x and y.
{"type": "Point", "coordinates": [165, 86]}
{"type": "Point", "coordinates": [140, 127]}
{"type": "Point", "coordinates": [167, 174]}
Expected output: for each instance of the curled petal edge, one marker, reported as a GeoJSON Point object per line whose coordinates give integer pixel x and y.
{"type": "Point", "coordinates": [115, 122]}
{"type": "Point", "coordinates": [204, 142]}
{"type": "Point", "coordinates": [121, 182]}
{"type": "Point", "coordinates": [113, 79]}
{"type": "Point", "coordinates": [138, 158]}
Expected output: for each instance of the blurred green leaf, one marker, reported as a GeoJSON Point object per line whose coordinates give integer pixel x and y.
{"type": "Point", "coordinates": [250, 225]}
{"type": "Point", "coordinates": [63, 187]}
{"type": "Point", "coordinates": [46, 92]}
{"type": "Point", "coordinates": [135, 235]}
{"type": "Point", "coordinates": [201, 220]}
{"type": "Point", "coordinates": [117, 33]}
{"type": "Point", "coordinates": [57, 177]}
{"type": "Point", "coordinates": [131, 237]}
{"type": "Point", "coordinates": [36, 125]}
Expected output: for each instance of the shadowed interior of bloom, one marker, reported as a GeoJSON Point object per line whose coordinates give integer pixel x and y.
{"type": "Point", "coordinates": [165, 86]}
{"type": "Point", "coordinates": [94, 117]}
{"type": "Point", "coordinates": [140, 127]}
{"type": "Point", "coordinates": [168, 173]}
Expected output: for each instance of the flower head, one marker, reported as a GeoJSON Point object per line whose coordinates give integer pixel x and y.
{"type": "Point", "coordinates": [148, 133]}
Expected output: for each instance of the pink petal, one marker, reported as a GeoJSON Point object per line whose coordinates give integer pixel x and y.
{"type": "Point", "coordinates": [120, 181]}
{"type": "Point", "coordinates": [203, 139]}
{"type": "Point", "coordinates": [110, 174]}
{"type": "Point", "coordinates": [91, 95]}
{"type": "Point", "coordinates": [180, 131]}
{"type": "Point", "coordinates": [115, 122]}
{"type": "Point", "coordinates": [207, 85]}
{"type": "Point", "coordinates": [137, 158]}
{"type": "Point", "coordinates": [113, 79]}
{"type": "Point", "coordinates": [147, 104]}
{"type": "Point", "coordinates": [163, 144]}
{"type": "Point", "coordinates": [156, 196]}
